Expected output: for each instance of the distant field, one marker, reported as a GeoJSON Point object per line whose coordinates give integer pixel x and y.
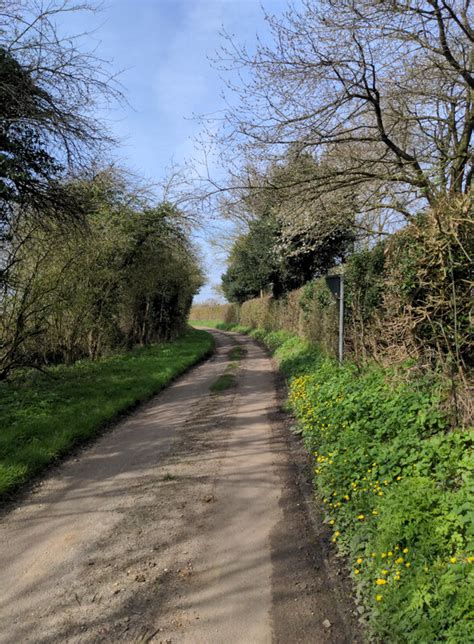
{"type": "Point", "coordinates": [212, 324]}
{"type": "Point", "coordinates": [42, 416]}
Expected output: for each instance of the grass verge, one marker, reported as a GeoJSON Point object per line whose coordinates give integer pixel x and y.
{"type": "Point", "coordinates": [396, 482]}
{"type": "Point", "coordinates": [228, 378]}
{"type": "Point", "coordinates": [43, 417]}
{"type": "Point", "coordinates": [237, 353]}
{"type": "Point", "coordinates": [224, 382]}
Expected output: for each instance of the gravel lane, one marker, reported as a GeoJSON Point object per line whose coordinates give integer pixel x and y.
{"type": "Point", "coordinates": [185, 523]}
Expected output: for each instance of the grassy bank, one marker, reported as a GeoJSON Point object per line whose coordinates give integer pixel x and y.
{"type": "Point", "coordinates": [396, 483]}
{"type": "Point", "coordinates": [43, 416]}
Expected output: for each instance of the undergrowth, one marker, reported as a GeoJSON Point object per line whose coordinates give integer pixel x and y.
{"type": "Point", "coordinates": [43, 416]}
{"type": "Point", "coordinates": [396, 482]}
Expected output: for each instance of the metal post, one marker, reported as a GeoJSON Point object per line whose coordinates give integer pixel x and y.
{"type": "Point", "coordinates": [341, 319]}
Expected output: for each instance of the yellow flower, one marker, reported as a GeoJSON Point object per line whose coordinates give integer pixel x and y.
{"type": "Point", "coordinates": [373, 554]}
{"type": "Point", "coordinates": [331, 522]}
{"type": "Point", "coordinates": [381, 582]}
{"type": "Point", "coordinates": [383, 555]}
{"type": "Point", "coordinates": [390, 553]}
{"type": "Point", "coordinates": [374, 512]}
{"type": "Point", "coordinates": [356, 571]}
{"type": "Point", "coordinates": [399, 560]}
{"type": "Point", "coordinates": [408, 565]}
{"type": "Point", "coordinates": [378, 598]}
{"type": "Point", "coordinates": [337, 533]}
{"type": "Point", "coordinates": [359, 560]}
{"type": "Point", "coordinates": [361, 517]}
{"type": "Point", "coordinates": [405, 550]}
{"type": "Point", "coordinates": [470, 560]}
{"type": "Point", "coordinates": [453, 560]}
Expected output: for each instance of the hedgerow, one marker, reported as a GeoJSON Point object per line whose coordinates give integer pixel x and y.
{"type": "Point", "coordinates": [396, 483]}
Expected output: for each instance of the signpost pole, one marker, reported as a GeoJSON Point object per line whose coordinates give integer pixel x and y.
{"type": "Point", "coordinates": [341, 319]}
{"type": "Point", "coordinates": [335, 284]}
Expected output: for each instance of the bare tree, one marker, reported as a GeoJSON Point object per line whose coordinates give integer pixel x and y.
{"type": "Point", "coordinates": [50, 89]}
{"type": "Point", "coordinates": [381, 94]}
{"type": "Point", "coordinates": [61, 84]}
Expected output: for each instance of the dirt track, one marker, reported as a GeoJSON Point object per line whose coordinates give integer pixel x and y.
{"type": "Point", "coordinates": [186, 523]}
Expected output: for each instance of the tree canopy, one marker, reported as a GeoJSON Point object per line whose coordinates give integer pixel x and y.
{"type": "Point", "coordinates": [379, 95]}
{"type": "Point", "coordinates": [288, 241]}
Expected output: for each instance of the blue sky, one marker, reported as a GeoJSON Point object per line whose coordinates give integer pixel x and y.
{"type": "Point", "coordinates": [163, 46]}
